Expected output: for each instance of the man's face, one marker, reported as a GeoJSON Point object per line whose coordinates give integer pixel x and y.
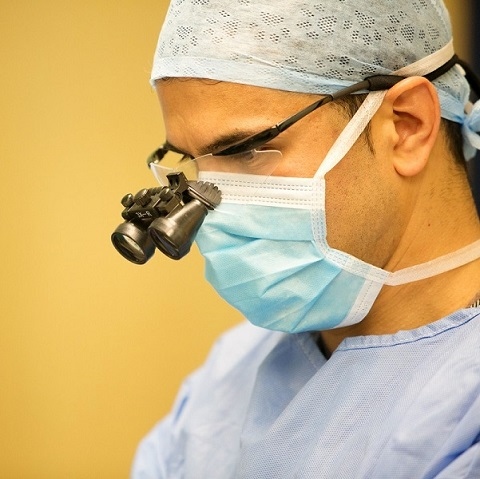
{"type": "Point", "coordinates": [360, 199]}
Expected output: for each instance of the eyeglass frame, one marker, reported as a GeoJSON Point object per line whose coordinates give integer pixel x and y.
{"type": "Point", "coordinates": [370, 84]}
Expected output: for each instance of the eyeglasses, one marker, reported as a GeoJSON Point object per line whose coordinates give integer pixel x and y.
{"type": "Point", "coordinates": [246, 156]}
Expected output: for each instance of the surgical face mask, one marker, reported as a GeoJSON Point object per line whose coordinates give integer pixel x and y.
{"type": "Point", "coordinates": [267, 253]}
{"type": "Point", "coordinates": [263, 258]}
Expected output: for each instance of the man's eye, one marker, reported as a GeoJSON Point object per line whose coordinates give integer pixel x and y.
{"type": "Point", "coordinates": [244, 156]}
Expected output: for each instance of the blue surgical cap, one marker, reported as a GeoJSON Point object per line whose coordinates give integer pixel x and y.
{"type": "Point", "coordinates": [309, 46]}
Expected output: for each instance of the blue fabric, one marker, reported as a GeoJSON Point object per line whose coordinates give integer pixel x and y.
{"type": "Point", "coordinates": [268, 405]}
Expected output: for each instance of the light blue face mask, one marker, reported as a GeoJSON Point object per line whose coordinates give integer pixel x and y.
{"type": "Point", "coordinates": [263, 259]}
{"type": "Point", "coordinates": [266, 249]}
{"type": "Point", "coordinates": [266, 254]}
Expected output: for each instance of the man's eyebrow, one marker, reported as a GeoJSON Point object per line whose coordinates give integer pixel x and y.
{"type": "Point", "coordinates": [170, 147]}
{"type": "Point", "coordinates": [219, 143]}
{"type": "Point", "coordinates": [226, 140]}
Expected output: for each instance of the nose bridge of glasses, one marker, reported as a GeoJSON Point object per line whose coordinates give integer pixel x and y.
{"type": "Point", "coordinates": [164, 161]}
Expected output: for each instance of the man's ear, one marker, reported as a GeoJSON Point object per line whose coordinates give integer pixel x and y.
{"type": "Point", "coordinates": [413, 108]}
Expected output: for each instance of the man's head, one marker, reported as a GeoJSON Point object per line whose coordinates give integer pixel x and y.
{"type": "Point", "coordinates": [226, 70]}
{"type": "Point", "coordinates": [368, 187]}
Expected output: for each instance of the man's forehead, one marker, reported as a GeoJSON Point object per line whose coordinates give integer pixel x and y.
{"type": "Point", "coordinates": [195, 92]}
{"type": "Point", "coordinates": [203, 116]}
{"type": "Point", "coordinates": [220, 87]}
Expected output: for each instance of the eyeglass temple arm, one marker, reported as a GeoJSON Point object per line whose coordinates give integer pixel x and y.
{"type": "Point", "coordinates": [374, 83]}
{"type": "Point", "coordinates": [370, 84]}
{"type": "Point", "coordinates": [384, 82]}
{"type": "Point", "coordinates": [267, 135]}
{"type": "Point", "coordinates": [380, 83]}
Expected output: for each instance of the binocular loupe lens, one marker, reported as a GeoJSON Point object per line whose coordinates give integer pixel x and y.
{"type": "Point", "coordinates": [167, 218]}
{"type": "Point", "coordinates": [133, 243]}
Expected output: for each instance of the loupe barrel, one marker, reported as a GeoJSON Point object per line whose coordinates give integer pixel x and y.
{"type": "Point", "coordinates": [174, 234]}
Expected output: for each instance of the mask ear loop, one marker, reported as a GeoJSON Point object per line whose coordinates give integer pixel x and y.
{"type": "Point", "coordinates": [372, 103]}
{"type": "Point", "coordinates": [351, 132]}
{"type": "Point", "coordinates": [337, 152]}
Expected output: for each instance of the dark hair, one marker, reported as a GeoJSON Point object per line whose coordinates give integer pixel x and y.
{"type": "Point", "coordinates": [454, 139]}
{"type": "Point", "coordinates": [452, 130]}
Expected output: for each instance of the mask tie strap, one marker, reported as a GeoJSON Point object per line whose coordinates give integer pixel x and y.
{"type": "Point", "coordinates": [372, 103]}
{"type": "Point", "coordinates": [436, 266]}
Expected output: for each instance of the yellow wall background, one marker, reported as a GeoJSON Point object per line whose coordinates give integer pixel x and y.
{"type": "Point", "coordinates": [92, 348]}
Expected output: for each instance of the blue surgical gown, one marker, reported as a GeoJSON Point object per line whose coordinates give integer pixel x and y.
{"type": "Point", "coordinates": [268, 405]}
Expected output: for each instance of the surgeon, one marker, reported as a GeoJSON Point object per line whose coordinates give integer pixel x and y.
{"type": "Point", "coordinates": [338, 132]}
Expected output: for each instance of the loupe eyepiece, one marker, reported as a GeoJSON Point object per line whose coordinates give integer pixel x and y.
{"type": "Point", "coordinates": [167, 218]}
{"type": "Point", "coordinates": [133, 243]}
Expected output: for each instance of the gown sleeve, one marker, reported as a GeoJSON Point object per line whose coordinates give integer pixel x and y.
{"type": "Point", "coordinates": [207, 415]}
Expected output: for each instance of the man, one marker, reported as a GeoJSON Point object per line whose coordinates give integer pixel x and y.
{"type": "Point", "coordinates": [347, 233]}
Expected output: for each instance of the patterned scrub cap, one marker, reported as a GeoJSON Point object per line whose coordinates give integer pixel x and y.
{"type": "Point", "coordinates": [309, 46]}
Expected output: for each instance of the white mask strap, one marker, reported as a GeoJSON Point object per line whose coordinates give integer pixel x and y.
{"type": "Point", "coordinates": [372, 103]}
{"type": "Point", "coordinates": [435, 267]}
{"type": "Point", "coordinates": [351, 132]}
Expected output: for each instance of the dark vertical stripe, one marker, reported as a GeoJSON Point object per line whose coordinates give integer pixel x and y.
{"type": "Point", "coordinates": [474, 164]}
